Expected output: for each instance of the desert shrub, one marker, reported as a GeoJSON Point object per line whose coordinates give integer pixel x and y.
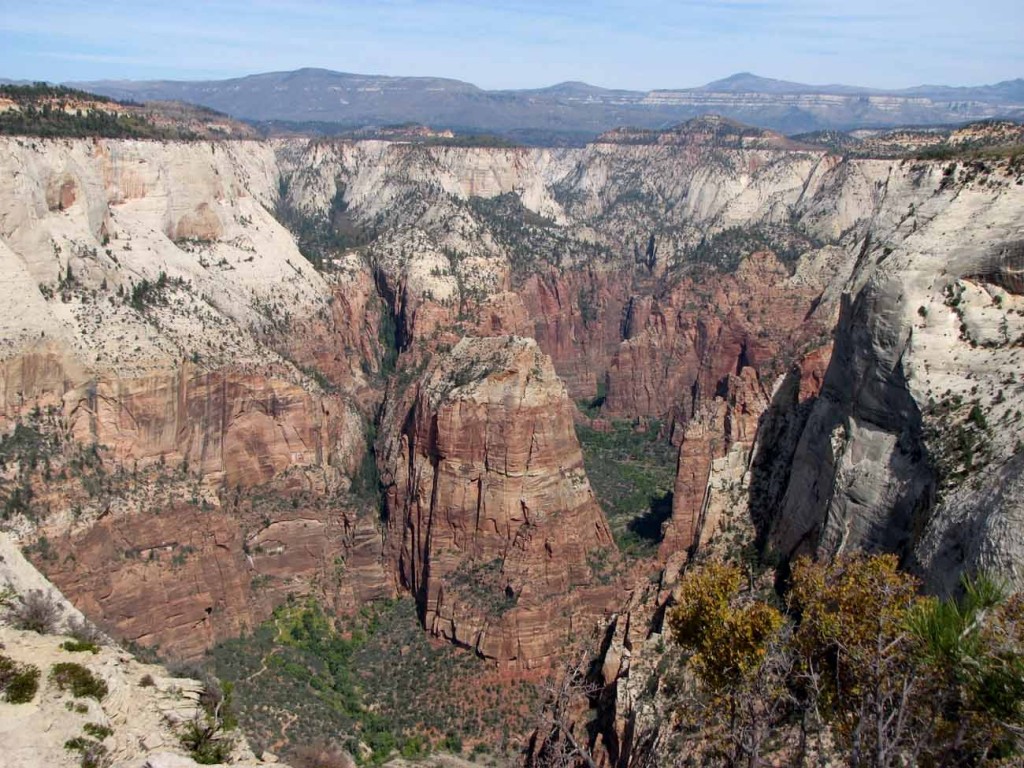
{"type": "Point", "coordinates": [80, 681]}
{"type": "Point", "coordinates": [204, 741]}
{"type": "Point", "coordinates": [147, 681]}
{"type": "Point", "coordinates": [452, 743]}
{"type": "Point", "coordinates": [18, 682]}
{"type": "Point", "coordinates": [80, 646]}
{"type": "Point", "coordinates": [216, 699]}
{"type": "Point", "coordinates": [92, 753]}
{"type": "Point", "coordinates": [85, 632]}
{"type": "Point", "coordinates": [98, 730]}
{"type": "Point", "coordinates": [321, 754]}
{"type": "Point", "coordinates": [8, 597]}
{"type": "Point", "coordinates": [37, 611]}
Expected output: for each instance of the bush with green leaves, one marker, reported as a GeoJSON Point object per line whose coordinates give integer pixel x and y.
{"type": "Point", "coordinates": [860, 668]}
{"type": "Point", "coordinates": [18, 682]}
{"type": "Point", "coordinates": [92, 753]}
{"type": "Point", "coordinates": [85, 632]}
{"type": "Point", "coordinates": [69, 676]}
{"type": "Point", "coordinates": [205, 741]}
{"type": "Point", "coordinates": [98, 730]}
{"type": "Point", "coordinates": [79, 646]}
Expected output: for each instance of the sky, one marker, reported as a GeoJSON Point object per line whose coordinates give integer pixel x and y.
{"type": "Point", "coordinates": [520, 43]}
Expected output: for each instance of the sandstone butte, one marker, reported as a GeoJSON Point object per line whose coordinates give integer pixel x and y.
{"type": "Point", "coordinates": [490, 508]}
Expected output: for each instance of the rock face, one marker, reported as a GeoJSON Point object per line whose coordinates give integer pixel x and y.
{"type": "Point", "coordinates": [577, 320]}
{"type": "Point", "coordinates": [159, 337]}
{"type": "Point", "coordinates": [681, 347]}
{"type": "Point", "coordinates": [145, 717]}
{"type": "Point", "coordinates": [238, 429]}
{"type": "Point", "coordinates": [182, 579]}
{"type": "Point", "coordinates": [716, 442]}
{"type": "Point", "coordinates": [916, 424]}
{"type": "Point", "coordinates": [501, 540]}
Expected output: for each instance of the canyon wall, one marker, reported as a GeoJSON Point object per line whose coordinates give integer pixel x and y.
{"type": "Point", "coordinates": [917, 423]}
{"type": "Point", "coordinates": [161, 335]}
{"type": "Point", "coordinates": [217, 411]}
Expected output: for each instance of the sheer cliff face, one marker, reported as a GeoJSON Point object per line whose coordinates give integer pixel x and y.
{"type": "Point", "coordinates": [154, 308]}
{"type": "Point", "coordinates": [498, 533]}
{"type": "Point", "coordinates": [917, 422]}
{"type": "Point", "coordinates": [158, 328]}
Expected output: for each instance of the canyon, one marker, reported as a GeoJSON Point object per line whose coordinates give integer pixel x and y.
{"type": "Point", "coordinates": [206, 414]}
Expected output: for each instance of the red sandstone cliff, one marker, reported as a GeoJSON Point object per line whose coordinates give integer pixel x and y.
{"type": "Point", "coordinates": [497, 531]}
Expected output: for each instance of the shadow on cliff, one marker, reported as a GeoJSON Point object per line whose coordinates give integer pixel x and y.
{"type": "Point", "coordinates": [846, 468]}
{"type": "Point", "coordinates": [648, 527]}
{"type": "Point", "coordinates": [778, 435]}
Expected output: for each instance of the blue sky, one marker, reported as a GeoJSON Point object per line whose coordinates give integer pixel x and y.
{"type": "Point", "coordinates": [521, 43]}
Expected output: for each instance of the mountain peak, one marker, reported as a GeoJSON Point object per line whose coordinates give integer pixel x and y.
{"type": "Point", "coordinates": [749, 82]}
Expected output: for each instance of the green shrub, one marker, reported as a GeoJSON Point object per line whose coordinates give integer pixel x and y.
{"type": "Point", "coordinates": [98, 731]}
{"type": "Point", "coordinates": [452, 743]}
{"type": "Point", "coordinates": [93, 754]}
{"type": "Point", "coordinates": [80, 646]}
{"type": "Point", "coordinates": [18, 682]}
{"type": "Point", "coordinates": [80, 681]}
{"type": "Point", "coordinates": [204, 743]}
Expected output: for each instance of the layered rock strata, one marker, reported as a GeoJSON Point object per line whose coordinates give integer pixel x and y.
{"type": "Point", "coordinates": [499, 536]}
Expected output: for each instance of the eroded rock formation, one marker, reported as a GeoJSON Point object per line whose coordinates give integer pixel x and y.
{"type": "Point", "coordinates": [155, 309]}
{"type": "Point", "coordinates": [500, 537]}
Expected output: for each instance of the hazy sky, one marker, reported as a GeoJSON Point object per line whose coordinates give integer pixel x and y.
{"type": "Point", "coordinates": [521, 43]}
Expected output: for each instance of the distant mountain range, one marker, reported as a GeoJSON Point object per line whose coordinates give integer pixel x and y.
{"type": "Point", "coordinates": [568, 111]}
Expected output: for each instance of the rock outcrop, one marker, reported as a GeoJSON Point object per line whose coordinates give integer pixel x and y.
{"type": "Point", "coordinates": [201, 392]}
{"type": "Point", "coordinates": [916, 422]}
{"type": "Point", "coordinates": [501, 540]}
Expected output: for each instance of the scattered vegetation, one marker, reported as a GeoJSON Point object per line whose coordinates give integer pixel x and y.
{"type": "Point", "coordinates": [632, 471]}
{"type": "Point", "coordinates": [530, 240]}
{"type": "Point", "coordinates": [959, 439]}
{"type": "Point", "coordinates": [482, 585]}
{"type": "Point", "coordinates": [321, 236]}
{"type": "Point", "coordinates": [38, 451]}
{"type": "Point", "coordinates": [374, 681]}
{"type": "Point", "coordinates": [25, 450]}
{"type": "Point", "coordinates": [726, 250]}
{"type": "Point", "coordinates": [854, 666]}
{"type": "Point", "coordinates": [148, 293]}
